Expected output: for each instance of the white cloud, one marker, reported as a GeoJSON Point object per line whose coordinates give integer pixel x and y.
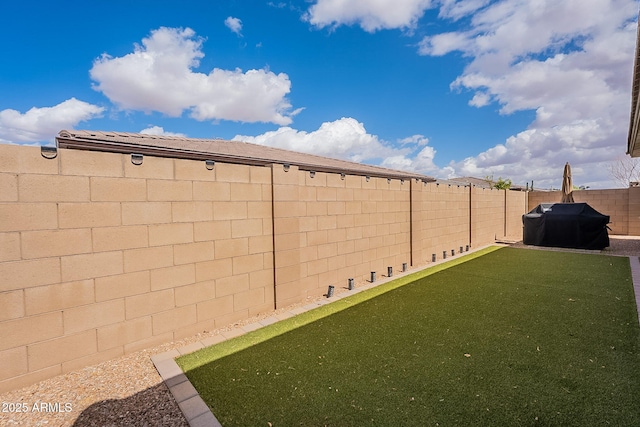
{"type": "Point", "coordinates": [569, 61]}
{"type": "Point", "coordinates": [234, 24]}
{"type": "Point", "coordinates": [43, 124]}
{"type": "Point", "coordinates": [347, 139]}
{"type": "Point", "coordinates": [371, 15]}
{"type": "Point", "coordinates": [441, 44]}
{"type": "Point", "coordinates": [159, 131]}
{"type": "Point", "coordinates": [159, 76]}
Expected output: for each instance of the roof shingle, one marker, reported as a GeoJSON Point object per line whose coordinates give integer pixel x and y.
{"type": "Point", "coordinates": [218, 150]}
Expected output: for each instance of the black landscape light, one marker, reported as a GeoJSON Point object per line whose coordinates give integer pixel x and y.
{"type": "Point", "coordinates": [389, 271]}
{"type": "Point", "coordinates": [433, 257]}
{"type": "Point", "coordinates": [330, 291]}
{"type": "Point", "coordinates": [351, 284]}
{"type": "Point", "coordinates": [404, 266]}
{"type": "Point", "coordinates": [373, 276]}
{"type": "Point", "coordinates": [444, 254]}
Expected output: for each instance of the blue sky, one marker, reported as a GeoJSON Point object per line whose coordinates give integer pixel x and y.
{"type": "Point", "coordinates": [510, 88]}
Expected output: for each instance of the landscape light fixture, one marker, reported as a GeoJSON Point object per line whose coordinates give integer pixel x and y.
{"type": "Point", "coordinates": [433, 257]}
{"type": "Point", "coordinates": [351, 284]}
{"type": "Point", "coordinates": [460, 249]}
{"type": "Point", "coordinates": [330, 291]}
{"type": "Point", "coordinates": [389, 271]}
{"type": "Point", "coordinates": [137, 159]}
{"type": "Point", "coordinates": [404, 266]}
{"type": "Point", "coordinates": [373, 276]}
{"type": "Point", "coordinates": [467, 248]}
{"type": "Point", "coordinates": [444, 254]}
{"type": "Point", "coordinates": [209, 164]}
{"type": "Point", "coordinates": [49, 152]}
{"type": "Point", "coordinates": [453, 252]}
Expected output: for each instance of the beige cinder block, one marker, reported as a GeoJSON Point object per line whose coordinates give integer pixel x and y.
{"type": "Point", "coordinates": [62, 349]}
{"type": "Point", "coordinates": [51, 243]}
{"type": "Point", "coordinates": [148, 258]}
{"type": "Point", "coordinates": [10, 247]}
{"type": "Point", "coordinates": [118, 189]}
{"type": "Point", "coordinates": [173, 319]}
{"type": "Point", "coordinates": [86, 215]}
{"type": "Point", "coordinates": [22, 159]}
{"type": "Point", "coordinates": [27, 330]}
{"type": "Point", "coordinates": [146, 304]}
{"type": "Point", "coordinates": [122, 333]}
{"type": "Point", "coordinates": [91, 163]}
{"type": "Point", "coordinates": [30, 273]}
{"type": "Point", "coordinates": [77, 267]}
{"type": "Point", "coordinates": [53, 188]}
{"type": "Point", "coordinates": [142, 213]}
{"type": "Point", "coordinates": [91, 316]}
{"type": "Point", "coordinates": [117, 238]}
{"type": "Point", "coordinates": [11, 305]}
{"type": "Point", "coordinates": [151, 167]}
{"type": "Point", "coordinates": [14, 362]}
{"type": "Point", "coordinates": [8, 187]}
{"type": "Point", "coordinates": [173, 277]}
{"type": "Point", "coordinates": [59, 296]}
{"type": "Point", "coordinates": [28, 216]}
{"type": "Point", "coordinates": [122, 285]}
{"type": "Point", "coordinates": [169, 190]}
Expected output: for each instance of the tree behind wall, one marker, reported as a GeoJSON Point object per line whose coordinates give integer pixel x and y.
{"type": "Point", "coordinates": [625, 170]}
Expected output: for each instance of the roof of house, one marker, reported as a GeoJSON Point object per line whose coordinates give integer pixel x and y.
{"type": "Point", "coordinates": [218, 150]}
{"type": "Point", "coordinates": [479, 182]}
{"type": "Point", "coordinates": [633, 141]}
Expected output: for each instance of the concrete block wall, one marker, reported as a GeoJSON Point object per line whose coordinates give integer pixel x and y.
{"type": "Point", "coordinates": [620, 204]}
{"type": "Point", "coordinates": [633, 219]}
{"type": "Point", "coordinates": [329, 228]}
{"type": "Point", "coordinates": [488, 215]}
{"type": "Point", "coordinates": [516, 205]}
{"type": "Point", "coordinates": [440, 220]}
{"type": "Point", "coordinates": [100, 257]}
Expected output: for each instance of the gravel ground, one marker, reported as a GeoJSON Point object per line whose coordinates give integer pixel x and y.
{"type": "Point", "coordinates": [128, 391]}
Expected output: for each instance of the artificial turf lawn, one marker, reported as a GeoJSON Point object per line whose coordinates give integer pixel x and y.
{"type": "Point", "coordinates": [515, 337]}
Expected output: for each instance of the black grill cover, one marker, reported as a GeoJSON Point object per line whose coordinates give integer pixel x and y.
{"type": "Point", "coordinates": [566, 225]}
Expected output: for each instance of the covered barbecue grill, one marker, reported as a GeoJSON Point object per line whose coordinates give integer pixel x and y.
{"type": "Point", "coordinates": [566, 225]}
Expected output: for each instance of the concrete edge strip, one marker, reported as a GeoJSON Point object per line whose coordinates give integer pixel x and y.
{"type": "Point", "coordinates": [194, 409]}
{"type": "Point", "coordinates": [634, 263]}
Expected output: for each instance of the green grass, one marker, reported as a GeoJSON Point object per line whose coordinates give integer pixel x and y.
{"type": "Point", "coordinates": [514, 337]}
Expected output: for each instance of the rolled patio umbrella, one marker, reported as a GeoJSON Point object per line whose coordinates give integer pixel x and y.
{"type": "Point", "coordinates": [567, 185]}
